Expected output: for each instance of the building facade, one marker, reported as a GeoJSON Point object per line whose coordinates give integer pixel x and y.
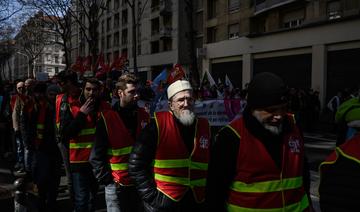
{"type": "Point", "coordinates": [311, 44]}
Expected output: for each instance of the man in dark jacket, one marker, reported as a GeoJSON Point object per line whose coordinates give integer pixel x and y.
{"type": "Point", "coordinates": [47, 158]}
{"type": "Point", "coordinates": [77, 125]}
{"type": "Point", "coordinates": [116, 132]}
{"type": "Point", "coordinates": [169, 159]}
{"type": "Point", "coordinates": [259, 157]}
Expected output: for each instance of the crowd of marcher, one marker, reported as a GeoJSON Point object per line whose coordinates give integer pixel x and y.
{"type": "Point", "coordinates": [172, 160]}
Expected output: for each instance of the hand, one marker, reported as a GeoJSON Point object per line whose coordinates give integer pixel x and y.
{"type": "Point", "coordinates": [88, 106]}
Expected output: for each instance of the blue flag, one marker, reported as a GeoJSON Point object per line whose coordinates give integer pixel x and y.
{"type": "Point", "coordinates": [157, 81]}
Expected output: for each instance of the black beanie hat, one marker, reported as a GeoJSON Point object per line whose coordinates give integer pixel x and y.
{"type": "Point", "coordinates": [265, 90]}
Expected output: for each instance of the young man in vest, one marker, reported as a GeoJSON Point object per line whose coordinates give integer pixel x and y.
{"type": "Point", "coordinates": [169, 160]}
{"type": "Point", "coordinates": [257, 161]}
{"type": "Point", "coordinates": [116, 132]}
{"type": "Point", "coordinates": [79, 133]}
{"type": "Point", "coordinates": [339, 175]}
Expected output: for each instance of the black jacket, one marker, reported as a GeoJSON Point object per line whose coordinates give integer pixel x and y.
{"type": "Point", "coordinates": [222, 167]}
{"type": "Point", "coordinates": [140, 169]}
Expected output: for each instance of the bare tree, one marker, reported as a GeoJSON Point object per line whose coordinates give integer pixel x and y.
{"type": "Point", "coordinates": [57, 12]}
{"type": "Point", "coordinates": [136, 18]}
{"type": "Point", "coordinates": [8, 8]}
{"type": "Point", "coordinates": [32, 39]}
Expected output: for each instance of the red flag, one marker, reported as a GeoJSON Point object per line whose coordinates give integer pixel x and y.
{"type": "Point", "coordinates": [78, 65]}
{"type": "Point", "coordinates": [87, 63]}
{"type": "Point", "coordinates": [118, 63]}
{"type": "Point", "coordinates": [101, 65]}
{"type": "Point", "coordinates": [176, 73]}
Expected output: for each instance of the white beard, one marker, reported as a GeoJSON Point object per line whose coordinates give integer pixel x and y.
{"type": "Point", "coordinates": [187, 117]}
{"type": "Point", "coordinates": [275, 130]}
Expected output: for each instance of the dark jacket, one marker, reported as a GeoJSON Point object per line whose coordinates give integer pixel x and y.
{"type": "Point", "coordinates": [223, 162]}
{"type": "Point", "coordinates": [140, 169]}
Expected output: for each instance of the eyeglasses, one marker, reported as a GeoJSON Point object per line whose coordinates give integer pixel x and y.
{"type": "Point", "coordinates": [20, 87]}
{"type": "Point", "coordinates": [182, 100]}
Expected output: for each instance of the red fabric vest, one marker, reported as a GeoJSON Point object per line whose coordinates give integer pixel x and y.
{"type": "Point", "coordinates": [175, 168]}
{"type": "Point", "coordinates": [121, 142]}
{"type": "Point", "coordinates": [81, 145]}
{"type": "Point", "coordinates": [40, 125]}
{"type": "Point", "coordinates": [259, 183]}
{"type": "Point", "coordinates": [349, 149]}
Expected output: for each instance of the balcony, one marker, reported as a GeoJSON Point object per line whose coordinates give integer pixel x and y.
{"type": "Point", "coordinates": [165, 32]}
{"type": "Point", "coordinates": [165, 7]}
{"type": "Point", "coordinates": [262, 6]}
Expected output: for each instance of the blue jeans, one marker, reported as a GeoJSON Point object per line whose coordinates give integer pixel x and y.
{"type": "Point", "coordinates": [19, 150]}
{"type": "Point", "coordinates": [122, 198]}
{"type": "Point", "coordinates": [85, 188]}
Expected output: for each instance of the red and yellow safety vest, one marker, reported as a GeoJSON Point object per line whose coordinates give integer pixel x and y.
{"type": "Point", "coordinates": [349, 150]}
{"type": "Point", "coordinates": [40, 125]}
{"type": "Point", "coordinates": [121, 142]}
{"type": "Point", "coordinates": [81, 145]}
{"type": "Point", "coordinates": [175, 168]}
{"type": "Point", "coordinates": [259, 185]}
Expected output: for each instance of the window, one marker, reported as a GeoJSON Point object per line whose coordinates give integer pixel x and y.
{"type": "Point", "coordinates": [139, 49]}
{"type": "Point", "coordinates": [124, 36]}
{"type": "Point", "coordinates": [211, 8]}
{"type": "Point", "coordinates": [155, 26]}
{"type": "Point", "coordinates": [116, 38]}
{"type": "Point", "coordinates": [102, 27]}
{"type": "Point", "coordinates": [124, 17]}
{"type": "Point", "coordinates": [234, 5]}
{"type": "Point", "coordinates": [48, 70]}
{"type": "Point", "coordinates": [116, 20]}
{"type": "Point", "coordinates": [102, 43]}
{"type": "Point", "coordinates": [56, 57]}
{"type": "Point", "coordinates": [154, 47]}
{"type": "Point", "coordinates": [116, 4]}
{"type": "Point", "coordinates": [167, 44]}
{"type": "Point", "coordinates": [155, 5]}
{"type": "Point", "coordinates": [199, 23]}
{"type": "Point", "coordinates": [108, 41]}
{"type": "Point", "coordinates": [293, 19]}
{"type": "Point", "coordinates": [233, 31]}
{"type": "Point", "coordinates": [334, 10]}
{"type": "Point", "coordinates": [48, 56]}
{"type": "Point", "coordinates": [211, 35]}
{"type": "Point", "coordinates": [56, 70]}
{"type": "Point", "coordinates": [108, 24]}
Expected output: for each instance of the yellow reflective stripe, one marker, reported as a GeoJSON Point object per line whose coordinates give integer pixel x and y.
{"type": "Point", "coordinates": [180, 163]}
{"type": "Point", "coordinates": [232, 129]}
{"type": "Point", "coordinates": [347, 156]}
{"type": "Point", "coordinates": [171, 179]}
{"type": "Point", "coordinates": [177, 163]}
{"type": "Point", "coordinates": [80, 145]}
{"type": "Point", "coordinates": [119, 166]}
{"type": "Point", "coordinates": [89, 131]}
{"type": "Point", "coordinates": [57, 125]}
{"type": "Point", "coordinates": [299, 206]}
{"type": "Point", "coordinates": [198, 182]}
{"type": "Point", "coordinates": [268, 186]}
{"type": "Point", "coordinates": [180, 180]}
{"type": "Point", "coordinates": [40, 126]}
{"type": "Point", "coordinates": [121, 151]}
{"type": "Point", "coordinates": [40, 136]}
{"type": "Point", "coordinates": [199, 165]}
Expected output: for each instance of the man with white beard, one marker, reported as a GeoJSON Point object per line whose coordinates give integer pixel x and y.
{"type": "Point", "coordinates": [169, 160]}
{"type": "Point", "coordinates": [257, 162]}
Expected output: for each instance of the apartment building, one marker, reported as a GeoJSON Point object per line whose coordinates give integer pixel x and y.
{"type": "Point", "coordinates": [36, 52]}
{"type": "Point", "coordinates": [310, 43]}
{"type": "Point", "coordinates": [163, 33]}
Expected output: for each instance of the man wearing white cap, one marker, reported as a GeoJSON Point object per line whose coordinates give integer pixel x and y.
{"type": "Point", "coordinates": [169, 160]}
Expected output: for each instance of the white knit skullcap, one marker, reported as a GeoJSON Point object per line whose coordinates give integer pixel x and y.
{"type": "Point", "coordinates": [177, 86]}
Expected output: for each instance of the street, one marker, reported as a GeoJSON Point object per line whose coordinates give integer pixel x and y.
{"type": "Point", "coordinates": [317, 147]}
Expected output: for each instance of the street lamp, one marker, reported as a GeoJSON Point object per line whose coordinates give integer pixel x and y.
{"type": "Point", "coordinates": [28, 68]}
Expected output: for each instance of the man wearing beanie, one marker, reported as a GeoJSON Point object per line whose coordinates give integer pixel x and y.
{"type": "Point", "coordinates": [257, 161]}
{"type": "Point", "coordinates": [169, 160]}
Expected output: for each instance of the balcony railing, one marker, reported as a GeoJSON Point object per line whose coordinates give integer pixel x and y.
{"type": "Point", "coordinates": [165, 32]}
{"type": "Point", "coordinates": [270, 4]}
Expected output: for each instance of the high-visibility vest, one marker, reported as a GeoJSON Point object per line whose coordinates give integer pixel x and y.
{"type": "Point", "coordinates": [259, 185]}
{"type": "Point", "coordinates": [40, 124]}
{"type": "Point", "coordinates": [121, 142]}
{"type": "Point", "coordinates": [176, 170]}
{"type": "Point", "coordinates": [81, 145]}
